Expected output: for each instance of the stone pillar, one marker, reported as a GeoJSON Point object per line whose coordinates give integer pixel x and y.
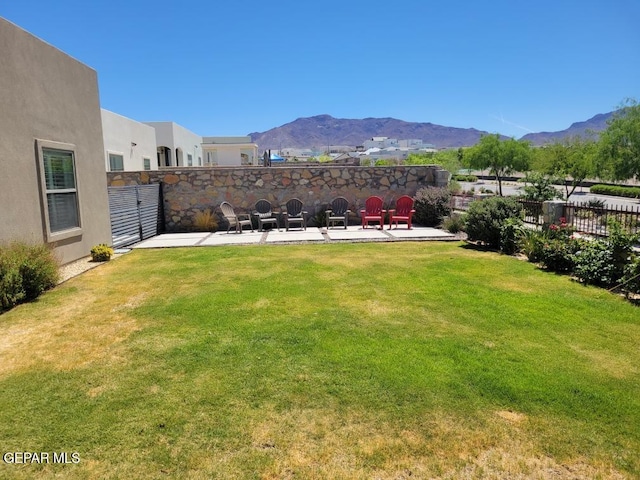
{"type": "Point", "coordinates": [552, 211]}
{"type": "Point", "coordinates": [442, 178]}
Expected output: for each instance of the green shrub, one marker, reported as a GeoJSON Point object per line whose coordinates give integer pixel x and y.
{"type": "Point", "coordinates": [604, 262]}
{"type": "Point", "coordinates": [485, 219]}
{"type": "Point", "coordinates": [25, 272]}
{"type": "Point", "coordinates": [531, 243]}
{"type": "Point", "coordinates": [432, 205]}
{"type": "Point", "coordinates": [558, 255]}
{"type": "Point", "coordinates": [454, 187]}
{"type": "Point", "coordinates": [101, 253]}
{"type": "Point", "coordinates": [11, 291]}
{"type": "Point", "coordinates": [454, 223]}
{"type": "Point", "coordinates": [594, 264]}
{"type": "Point", "coordinates": [595, 203]}
{"type": "Point", "coordinates": [616, 190]}
{"type": "Point", "coordinates": [510, 234]}
{"type": "Point", "coordinates": [464, 178]}
{"type": "Point", "coordinates": [631, 279]}
{"type": "Point", "coordinates": [38, 269]}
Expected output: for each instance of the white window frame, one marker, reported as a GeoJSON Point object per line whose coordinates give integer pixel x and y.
{"type": "Point", "coordinates": [58, 235]}
{"type": "Point", "coordinates": [146, 163]}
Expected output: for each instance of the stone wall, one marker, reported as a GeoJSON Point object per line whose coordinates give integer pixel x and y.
{"type": "Point", "coordinates": [187, 191]}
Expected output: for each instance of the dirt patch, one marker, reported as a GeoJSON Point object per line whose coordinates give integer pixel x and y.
{"type": "Point", "coordinates": [67, 334]}
{"type": "Point", "coordinates": [513, 417]}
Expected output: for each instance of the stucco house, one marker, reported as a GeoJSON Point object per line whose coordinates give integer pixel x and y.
{"type": "Point", "coordinates": [176, 146]}
{"type": "Point", "coordinates": [52, 187]}
{"type": "Point", "coordinates": [229, 151]}
{"type": "Point", "coordinates": [129, 145]}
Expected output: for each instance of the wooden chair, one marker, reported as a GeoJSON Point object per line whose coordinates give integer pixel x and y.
{"type": "Point", "coordinates": [403, 212]}
{"type": "Point", "coordinates": [235, 220]}
{"type": "Point", "coordinates": [295, 214]}
{"type": "Point", "coordinates": [373, 212]}
{"type": "Point", "coordinates": [339, 212]}
{"type": "Point", "coordinates": [265, 215]}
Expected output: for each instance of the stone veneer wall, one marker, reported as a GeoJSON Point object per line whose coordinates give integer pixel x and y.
{"type": "Point", "coordinates": [187, 191]}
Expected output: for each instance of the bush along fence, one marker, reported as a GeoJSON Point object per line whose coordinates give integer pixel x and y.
{"type": "Point", "coordinates": [581, 217]}
{"type": "Point", "coordinates": [609, 262]}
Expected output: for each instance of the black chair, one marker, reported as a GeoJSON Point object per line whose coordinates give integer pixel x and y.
{"type": "Point", "coordinates": [338, 212]}
{"type": "Point", "coordinates": [265, 215]}
{"type": "Point", "coordinates": [295, 214]}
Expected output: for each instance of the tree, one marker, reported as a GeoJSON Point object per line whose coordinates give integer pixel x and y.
{"type": "Point", "coordinates": [573, 160]}
{"type": "Point", "coordinates": [447, 159]}
{"type": "Point", "coordinates": [539, 187]}
{"type": "Point", "coordinates": [501, 157]}
{"type": "Point", "coordinates": [619, 152]}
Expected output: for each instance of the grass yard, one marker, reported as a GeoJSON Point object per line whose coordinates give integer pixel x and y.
{"type": "Point", "coordinates": [353, 361]}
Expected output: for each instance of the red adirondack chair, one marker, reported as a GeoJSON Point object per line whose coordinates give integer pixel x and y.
{"type": "Point", "coordinates": [373, 212]}
{"type": "Point", "coordinates": [403, 212]}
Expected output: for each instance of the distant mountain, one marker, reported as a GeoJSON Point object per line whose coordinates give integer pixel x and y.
{"type": "Point", "coordinates": [320, 131]}
{"type": "Point", "coordinates": [582, 129]}
{"type": "Point", "coordinates": [323, 130]}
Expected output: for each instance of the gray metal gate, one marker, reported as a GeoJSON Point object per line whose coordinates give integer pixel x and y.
{"type": "Point", "coordinates": [134, 213]}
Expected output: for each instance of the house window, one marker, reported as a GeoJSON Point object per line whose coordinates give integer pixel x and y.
{"type": "Point", "coordinates": [116, 162]}
{"type": "Point", "coordinates": [189, 160]}
{"type": "Point", "coordinates": [147, 163]}
{"type": "Point", "coordinates": [59, 190]}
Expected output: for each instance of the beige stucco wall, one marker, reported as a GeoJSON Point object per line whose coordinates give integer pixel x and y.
{"type": "Point", "coordinates": [45, 94]}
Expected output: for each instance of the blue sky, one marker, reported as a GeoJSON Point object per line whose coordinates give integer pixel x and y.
{"type": "Point", "coordinates": [236, 67]}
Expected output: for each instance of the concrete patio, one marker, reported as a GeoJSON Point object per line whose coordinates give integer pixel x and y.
{"type": "Point", "coordinates": [312, 235]}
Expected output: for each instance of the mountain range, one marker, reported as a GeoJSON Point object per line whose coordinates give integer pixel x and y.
{"type": "Point", "coordinates": [321, 131]}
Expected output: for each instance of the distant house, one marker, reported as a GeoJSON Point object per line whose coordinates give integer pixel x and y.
{"type": "Point", "coordinates": [176, 146]}
{"type": "Point", "coordinates": [380, 142]}
{"type": "Point", "coordinates": [52, 187]}
{"type": "Point", "coordinates": [411, 145]}
{"type": "Point", "coordinates": [128, 145]}
{"type": "Point", "coordinates": [229, 151]}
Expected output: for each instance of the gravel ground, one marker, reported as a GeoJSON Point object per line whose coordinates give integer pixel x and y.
{"type": "Point", "coordinates": [78, 267]}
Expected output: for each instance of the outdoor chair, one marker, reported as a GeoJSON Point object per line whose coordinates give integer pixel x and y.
{"type": "Point", "coordinates": [339, 212]}
{"type": "Point", "coordinates": [373, 212]}
{"type": "Point", "coordinates": [295, 214]}
{"type": "Point", "coordinates": [403, 212]}
{"type": "Point", "coordinates": [265, 215]}
{"type": "Point", "coordinates": [235, 220]}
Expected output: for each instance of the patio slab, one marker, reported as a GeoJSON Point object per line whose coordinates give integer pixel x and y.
{"type": "Point", "coordinates": [223, 238]}
{"type": "Point", "coordinates": [419, 232]}
{"type": "Point", "coordinates": [356, 233]}
{"type": "Point", "coordinates": [173, 240]}
{"type": "Point", "coordinates": [309, 235]}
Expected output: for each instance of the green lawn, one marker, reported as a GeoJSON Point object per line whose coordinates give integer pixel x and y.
{"type": "Point", "coordinates": [383, 360]}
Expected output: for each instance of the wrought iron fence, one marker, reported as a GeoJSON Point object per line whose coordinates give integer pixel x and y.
{"type": "Point", "coordinates": [584, 218]}
{"type": "Point", "coordinates": [594, 220]}
{"type": "Point", "coordinates": [532, 211]}
{"type": "Point", "coordinates": [461, 202]}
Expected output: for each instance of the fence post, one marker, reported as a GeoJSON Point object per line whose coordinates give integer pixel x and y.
{"type": "Point", "coordinates": [552, 211]}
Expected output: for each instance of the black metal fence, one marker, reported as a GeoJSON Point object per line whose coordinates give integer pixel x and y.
{"type": "Point", "coordinates": [591, 220]}
{"type": "Point", "coordinates": [532, 211]}
{"type": "Point", "coordinates": [595, 220]}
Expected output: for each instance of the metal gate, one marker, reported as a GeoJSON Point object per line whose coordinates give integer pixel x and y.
{"type": "Point", "coordinates": [134, 213]}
